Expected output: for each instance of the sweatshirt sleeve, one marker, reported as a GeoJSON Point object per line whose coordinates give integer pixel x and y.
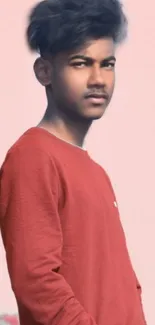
{"type": "Point", "coordinates": [33, 240]}
{"type": "Point", "coordinates": [138, 286]}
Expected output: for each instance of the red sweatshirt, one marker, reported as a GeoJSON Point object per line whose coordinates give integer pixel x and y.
{"type": "Point", "coordinates": [65, 246]}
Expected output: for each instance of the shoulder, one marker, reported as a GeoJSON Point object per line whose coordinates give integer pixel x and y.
{"type": "Point", "coordinates": [33, 143]}
{"type": "Point", "coordinates": [104, 177]}
{"type": "Point", "coordinates": [101, 171]}
{"type": "Point", "coordinates": [33, 139]}
{"type": "Point", "coordinates": [33, 150]}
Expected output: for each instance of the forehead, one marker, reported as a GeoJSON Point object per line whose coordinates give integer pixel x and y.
{"type": "Point", "coordinates": [97, 49]}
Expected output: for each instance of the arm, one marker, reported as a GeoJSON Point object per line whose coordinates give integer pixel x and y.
{"type": "Point", "coordinates": [33, 239]}
{"type": "Point", "coordinates": [138, 286]}
{"type": "Point", "coordinates": [139, 290]}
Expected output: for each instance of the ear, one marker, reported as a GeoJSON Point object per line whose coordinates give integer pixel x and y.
{"type": "Point", "coordinates": [43, 71]}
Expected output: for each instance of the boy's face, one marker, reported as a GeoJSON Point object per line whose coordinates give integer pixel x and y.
{"type": "Point", "coordinates": [82, 82]}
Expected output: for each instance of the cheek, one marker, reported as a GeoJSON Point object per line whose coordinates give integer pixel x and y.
{"type": "Point", "coordinates": [111, 81]}
{"type": "Point", "coordinates": [74, 82]}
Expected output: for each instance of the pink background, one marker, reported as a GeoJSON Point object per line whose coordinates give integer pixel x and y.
{"type": "Point", "coordinates": [123, 141]}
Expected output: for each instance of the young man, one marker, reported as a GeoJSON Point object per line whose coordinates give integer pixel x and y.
{"type": "Point", "coordinates": [65, 246]}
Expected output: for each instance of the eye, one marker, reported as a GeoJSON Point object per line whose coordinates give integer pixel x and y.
{"type": "Point", "coordinates": [79, 64]}
{"type": "Point", "coordinates": [108, 65]}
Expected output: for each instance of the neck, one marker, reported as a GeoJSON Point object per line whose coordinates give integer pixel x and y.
{"type": "Point", "coordinates": [65, 128]}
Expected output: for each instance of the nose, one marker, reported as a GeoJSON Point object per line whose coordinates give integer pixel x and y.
{"type": "Point", "coordinates": [96, 77]}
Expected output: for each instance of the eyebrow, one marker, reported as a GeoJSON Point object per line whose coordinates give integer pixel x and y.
{"type": "Point", "coordinates": [86, 58]}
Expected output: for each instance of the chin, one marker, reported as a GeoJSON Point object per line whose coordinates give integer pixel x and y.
{"type": "Point", "coordinates": [87, 114]}
{"type": "Point", "coordinates": [94, 113]}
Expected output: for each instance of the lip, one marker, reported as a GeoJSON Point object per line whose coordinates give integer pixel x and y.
{"type": "Point", "coordinates": [97, 99]}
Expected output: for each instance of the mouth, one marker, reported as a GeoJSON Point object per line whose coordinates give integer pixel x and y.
{"type": "Point", "coordinates": [97, 99]}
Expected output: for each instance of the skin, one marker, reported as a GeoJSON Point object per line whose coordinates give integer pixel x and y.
{"type": "Point", "coordinates": [69, 79]}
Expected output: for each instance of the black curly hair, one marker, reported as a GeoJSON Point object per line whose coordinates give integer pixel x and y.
{"type": "Point", "coordinates": [63, 25]}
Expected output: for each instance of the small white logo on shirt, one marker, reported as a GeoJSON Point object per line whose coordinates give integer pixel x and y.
{"type": "Point", "coordinates": [115, 204]}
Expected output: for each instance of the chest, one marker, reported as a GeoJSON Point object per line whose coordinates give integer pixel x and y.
{"type": "Point", "coordinates": [89, 215]}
